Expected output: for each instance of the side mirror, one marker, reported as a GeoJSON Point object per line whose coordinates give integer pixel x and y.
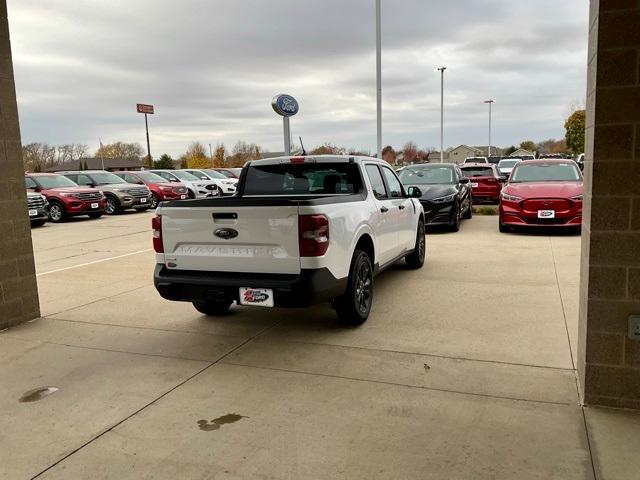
{"type": "Point", "coordinates": [414, 192]}
{"type": "Point", "coordinates": [464, 180]}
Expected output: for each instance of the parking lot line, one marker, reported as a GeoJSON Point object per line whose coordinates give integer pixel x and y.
{"type": "Point", "coordinates": [94, 262]}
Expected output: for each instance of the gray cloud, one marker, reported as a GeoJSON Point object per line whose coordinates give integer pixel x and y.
{"type": "Point", "coordinates": [211, 68]}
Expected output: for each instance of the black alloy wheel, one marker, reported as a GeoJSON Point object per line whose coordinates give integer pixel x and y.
{"type": "Point", "coordinates": [354, 306]}
{"type": "Point", "coordinates": [416, 258]}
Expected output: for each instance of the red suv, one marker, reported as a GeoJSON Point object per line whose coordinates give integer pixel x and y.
{"type": "Point", "coordinates": [484, 179]}
{"type": "Point", "coordinates": [542, 193]}
{"type": "Point", "coordinates": [160, 188]}
{"type": "Point", "coordinates": [66, 198]}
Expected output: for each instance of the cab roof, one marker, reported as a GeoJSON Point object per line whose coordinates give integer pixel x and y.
{"type": "Point", "coordinates": [316, 159]}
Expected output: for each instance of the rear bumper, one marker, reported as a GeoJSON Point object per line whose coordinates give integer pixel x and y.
{"type": "Point", "coordinates": [298, 290]}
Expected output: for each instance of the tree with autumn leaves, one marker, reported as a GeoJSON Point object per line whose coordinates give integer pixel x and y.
{"type": "Point", "coordinates": [574, 127]}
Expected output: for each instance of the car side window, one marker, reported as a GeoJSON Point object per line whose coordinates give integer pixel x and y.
{"type": "Point", "coordinates": [164, 175]}
{"type": "Point", "coordinates": [30, 183]}
{"type": "Point", "coordinates": [377, 184]}
{"type": "Point", "coordinates": [395, 187]}
{"type": "Point", "coordinates": [131, 179]}
{"type": "Point", "coordinates": [82, 180]}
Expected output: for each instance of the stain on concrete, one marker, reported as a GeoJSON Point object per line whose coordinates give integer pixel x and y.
{"type": "Point", "coordinates": [427, 367]}
{"type": "Point", "coordinates": [37, 394]}
{"type": "Point", "coordinates": [216, 423]}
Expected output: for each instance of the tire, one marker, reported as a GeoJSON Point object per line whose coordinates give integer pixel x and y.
{"type": "Point", "coordinates": [455, 224]}
{"type": "Point", "coordinates": [469, 213]}
{"type": "Point", "coordinates": [38, 223]}
{"type": "Point", "coordinates": [56, 212]}
{"type": "Point", "coordinates": [502, 227]}
{"type": "Point", "coordinates": [153, 201]}
{"type": "Point", "coordinates": [354, 306]}
{"type": "Point", "coordinates": [95, 215]}
{"type": "Point", "coordinates": [112, 206]}
{"type": "Point", "coordinates": [213, 308]}
{"type": "Point", "coordinates": [415, 259]}
{"type": "Point", "coordinates": [191, 194]}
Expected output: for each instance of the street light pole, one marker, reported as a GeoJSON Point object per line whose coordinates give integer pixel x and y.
{"type": "Point", "coordinates": [490, 102]}
{"type": "Point", "coordinates": [379, 77]}
{"type": "Point", "coordinates": [211, 156]}
{"type": "Point", "coordinates": [442, 69]}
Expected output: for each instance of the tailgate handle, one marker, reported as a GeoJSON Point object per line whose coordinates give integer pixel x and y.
{"type": "Point", "coordinates": [224, 216]}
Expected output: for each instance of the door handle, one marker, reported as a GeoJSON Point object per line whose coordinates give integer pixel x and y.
{"type": "Point", "coordinates": [384, 209]}
{"type": "Point", "coordinates": [401, 207]}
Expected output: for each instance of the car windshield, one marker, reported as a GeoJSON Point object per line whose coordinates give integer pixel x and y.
{"type": "Point", "coordinates": [545, 172]}
{"type": "Point", "coordinates": [214, 174]}
{"type": "Point", "coordinates": [186, 176]}
{"type": "Point", "coordinates": [426, 175]}
{"type": "Point", "coordinates": [507, 163]}
{"type": "Point", "coordinates": [149, 177]}
{"type": "Point", "coordinates": [303, 179]}
{"type": "Point", "coordinates": [105, 178]}
{"type": "Point", "coordinates": [226, 173]}
{"type": "Point", "coordinates": [54, 181]}
{"type": "Point", "coordinates": [477, 171]}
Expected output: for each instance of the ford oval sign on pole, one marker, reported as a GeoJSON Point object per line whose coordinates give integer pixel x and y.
{"type": "Point", "coordinates": [287, 106]}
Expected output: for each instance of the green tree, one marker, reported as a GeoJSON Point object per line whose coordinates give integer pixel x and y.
{"type": "Point", "coordinates": [528, 145]}
{"type": "Point", "coordinates": [510, 150]}
{"type": "Point", "coordinates": [574, 127]}
{"type": "Point", "coordinates": [164, 162]}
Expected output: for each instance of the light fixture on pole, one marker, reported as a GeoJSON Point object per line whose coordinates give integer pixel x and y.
{"type": "Point", "coordinates": [286, 106]}
{"type": "Point", "coordinates": [379, 78]}
{"type": "Point", "coordinates": [441, 70]}
{"type": "Point", "coordinates": [490, 102]}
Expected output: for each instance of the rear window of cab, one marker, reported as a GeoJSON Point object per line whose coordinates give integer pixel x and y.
{"type": "Point", "coordinates": [303, 179]}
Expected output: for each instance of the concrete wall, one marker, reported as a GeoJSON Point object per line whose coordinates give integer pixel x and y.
{"type": "Point", "coordinates": [18, 289]}
{"type": "Point", "coordinates": [608, 362]}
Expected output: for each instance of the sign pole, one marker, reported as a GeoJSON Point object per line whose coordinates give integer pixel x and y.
{"type": "Point", "coordinates": [146, 125]}
{"type": "Point", "coordinates": [287, 136]}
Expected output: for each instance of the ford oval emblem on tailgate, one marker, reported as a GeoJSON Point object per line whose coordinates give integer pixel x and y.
{"type": "Point", "coordinates": [226, 233]}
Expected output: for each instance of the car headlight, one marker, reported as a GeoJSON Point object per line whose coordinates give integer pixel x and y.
{"type": "Point", "coordinates": [119, 189]}
{"type": "Point", "coordinates": [228, 182]}
{"type": "Point", "coordinates": [70, 195]}
{"type": "Point", "coordinates": [510, 198]}
{"type": "Point", "coordinates": [577, 198]}
{"type": "Point", "coordinates": [199, 185]}
{"type": "Point", "coordinates": [445, 199]}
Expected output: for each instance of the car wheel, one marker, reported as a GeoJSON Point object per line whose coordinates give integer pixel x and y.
{"type": "Point", "coordinates": [112, 207]}
{"type": "Point", "coordinates": [95, 215]}
{"type": "Point", "coordinates": [502, 227]}
{"type": "Point", "coordinates": [153, 201]}
{"type": "Point", "coordinates": [455, 223]}
{"type": "Point", "coordinates": [354, 306]}
{"type": "Point", "coordinates": [38, 223]}
{"type": "Point", "coordinates": [469, 213]}
{"type": "Point", "coordinates": [213, 308]}
{"type": "Point", "coordinates": [416, 258]}
{"type": "Point", "coordinates": [191, 194]}
{"type": "Point", "coordinates": [56, 212]}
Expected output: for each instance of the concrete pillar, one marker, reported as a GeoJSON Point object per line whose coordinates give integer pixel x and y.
{"type": "Point", "coordinates": [608, 361]}
{"type": "Point", "coordinates": [18, 288]}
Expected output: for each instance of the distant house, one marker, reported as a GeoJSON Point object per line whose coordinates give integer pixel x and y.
{"type": "Point", "coordinates": [495, 151]}
{"type": "Point", "coordinates": [434, 157]}
{"type": "Point", "coordinates": [459, 153]}
{"type": "Point", "coordinates": [521, 152]}
{"type": "Point", "coordinates": [110, 164]}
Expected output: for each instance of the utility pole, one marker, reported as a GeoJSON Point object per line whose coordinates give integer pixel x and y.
{"type": "Point", "coordinates": [490, 102]}
{"type": "Point", "coordinates": [211, 156]}
{"type": "Point", "coordinates": [143, 108]}
{"type": "Point", "coordinates": [379, 77]}
{"type": "Point", "coordinates": [442, 69]}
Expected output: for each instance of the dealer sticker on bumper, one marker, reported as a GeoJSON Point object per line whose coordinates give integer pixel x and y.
{"type": "Point", "coordinates": [259, 297]}
{"type": "Point", "coordinates": [474, 185]}
{"type": "Point", "coordinates": [94, 205]}
{"type": "Point", "coordinates": [33, 213]}
{"type": "Point", "coordinates": [546, 214]}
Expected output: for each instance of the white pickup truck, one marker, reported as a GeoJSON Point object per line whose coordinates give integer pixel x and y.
{"type": "Point", "coordinates": [299, 231]}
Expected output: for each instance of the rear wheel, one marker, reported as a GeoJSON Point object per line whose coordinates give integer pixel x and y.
{"type": "Point", "coordinates": [469, 213]}
{"type": "Point", "coordinates": [354, 306]}
{"type": "Point", "coordinates": [214, 308]}
{"type": "Point", "coordinates": [56, 212]}
{"type": "Point", "coordinates": [416, 258]}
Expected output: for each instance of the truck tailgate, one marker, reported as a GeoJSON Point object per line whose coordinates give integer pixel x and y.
{"type": "Point", "coordinates": [260, 239]}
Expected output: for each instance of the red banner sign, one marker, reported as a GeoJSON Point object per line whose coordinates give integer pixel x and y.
{"type": "Point", "coordinates": [142, 108]}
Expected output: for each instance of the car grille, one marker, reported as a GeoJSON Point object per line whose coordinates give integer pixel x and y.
{"type": "Point", "coordinates": [90, 196]}
{"type": "Point", "coordinates": [180, 190]}
{"type": "Point", "coordinates": [35, 202]}
{"type": "Point", "coordinates": [547, 221]}
{"type": "Point", "coordinates": [535, 204]}
{"type": "Point", "coordinates": [138, 192]}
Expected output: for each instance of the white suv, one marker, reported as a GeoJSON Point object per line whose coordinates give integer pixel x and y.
{"type": "Point", "coordinates": [226, 185]}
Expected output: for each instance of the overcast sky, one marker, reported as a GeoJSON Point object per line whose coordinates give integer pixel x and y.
{"type": "Point", "coordinates": [211, 67]}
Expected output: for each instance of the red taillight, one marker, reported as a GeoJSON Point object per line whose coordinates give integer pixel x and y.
{"type": "Point", "coordinates": [313, 235]}
{"type": "Point", "coordinates": [156, 225]}
{"type": "Point", "coordinates": [296, 159]}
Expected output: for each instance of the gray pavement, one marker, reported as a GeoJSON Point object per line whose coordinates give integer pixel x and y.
{"type": "Point", "coordinates": [465, 370]}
